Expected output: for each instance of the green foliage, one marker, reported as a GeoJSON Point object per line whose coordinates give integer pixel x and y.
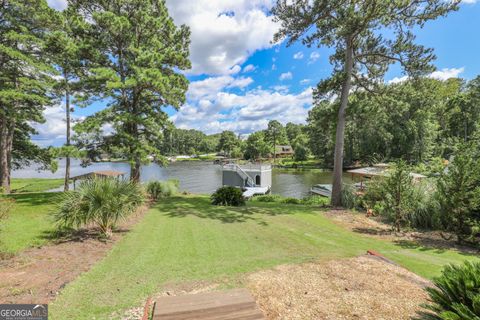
{"type": "Point", "coordinates": [350, 199]}
{"type": "Point", "coordinates": [275, 135]}
{"type": "Point", "coordinates": [316, 201]}
{"type": "Point", "coordinates": [228, 196]}
{"type": "Point", "coordinates": [290, 200]}
{"type": "Point", "coordinates": [456, 295]}
{"type": "Point", "coordinates": [228, 142]}
{"type": "Point", "coordinates": [102, 202]}
{"type": "Point", "coordinates": [256, 146]}
{"type": "Point", "coordinates": [459, 195]}
{"type": "Point", "coordinates": [162, 189]}
{"type": "Point", "coordinates": [23, 97]}
{"type": "Point", "coordinates": [268, 198]}
{"type": "Point", "coordinates": [300, 148]}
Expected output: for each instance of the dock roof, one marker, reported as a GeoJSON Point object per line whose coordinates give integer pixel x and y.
{"type": "Point", "coordinates": [103, 173]}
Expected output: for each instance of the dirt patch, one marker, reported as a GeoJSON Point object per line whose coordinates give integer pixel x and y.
{"type": "Point", "coordinates": [37, 275]}
{"type": "Point", "coordinates": [375, 227]}
{"type": "Point", "coordinates": [357, 288]}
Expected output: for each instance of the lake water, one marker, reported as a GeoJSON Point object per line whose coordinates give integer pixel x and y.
{"type": "Point", "coordinates": [194, 176]}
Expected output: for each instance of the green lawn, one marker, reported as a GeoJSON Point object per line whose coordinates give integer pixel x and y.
{"type": "Point", "coordinates": [185, 238]}
{"type": "Point", "coordinates": [35, 185]}
{"type": "Point", "coordinates": [29, 223]}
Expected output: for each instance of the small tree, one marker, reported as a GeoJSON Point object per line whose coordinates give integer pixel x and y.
{"type": "Point", "coordinates": [228, 142]}
{"type": "Point", "coordinates": [300, 147]}
{"type": "Point", "coordinates": [275, 134]}
{"type": "Point", "coordinates": [396, 193]}
{"type": "Point", "coordinates": [458, 192]}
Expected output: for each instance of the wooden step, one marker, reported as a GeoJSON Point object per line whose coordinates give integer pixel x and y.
{"type": "Point", "coordinates": [237, 304]}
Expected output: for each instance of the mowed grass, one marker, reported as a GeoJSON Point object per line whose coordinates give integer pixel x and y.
{"type": "Point", "coordinates": [34, 184]}
{"type": "Point", "coordinates": [29, 222]}
{"type": "Point", "coordinates": [187, 239]}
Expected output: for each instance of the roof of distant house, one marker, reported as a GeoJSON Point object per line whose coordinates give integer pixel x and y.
{"type": "Point", "coordinates": [103, 173]}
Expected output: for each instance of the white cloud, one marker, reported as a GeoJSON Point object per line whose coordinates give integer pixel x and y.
{"type": "Point", "coordinates": [224, 32]}
{"type": "Point", "coordinates": [210, 87]}
{"type": "Point", "coordinates": [249, 68]}
{"type": "Point", "coordinates": [470, 1]}
{"type": "Point", "coordinates": [245, 113]}
{"type": "Point", "coordinates": [58, 4]}
{"type": "Point", "coordinates": [444, 74]}
{"type": "Point", "coordinates": [298, 55]}
{"type": "Point", "coordinates": [314, 57]}
{"type": "Point", "coordinates": [52, 132]}
{"type": "Point", "coordinates": [286, 76]}
{"type": "Point", "coordinates": [305, 81]}
{"type": "Point", "coordinates": [274, 66]}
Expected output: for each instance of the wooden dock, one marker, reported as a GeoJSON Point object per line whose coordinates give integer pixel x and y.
{"type": "Point", "coordinates": [237, 304]}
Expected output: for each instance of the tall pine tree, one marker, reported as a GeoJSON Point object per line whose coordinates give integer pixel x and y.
{"type": "Point", "coordinates": [367, 36]}
{"type": "Point", "coordinates": [25, 74]}
{"type": "Point", "coordinates": [146, 52]}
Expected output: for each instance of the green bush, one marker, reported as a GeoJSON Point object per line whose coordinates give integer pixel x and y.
{"type": "Point", "coordinates": [350, 200]}
{"type": "Point", "coordinates": [268, 198]}
{"type": "Point", "coordinates": [162, 189]}
{"type": "Point", "coordinates": [459, 196]}
{"type": "Point", "coordinates": [456, 295]}
{"type": "Point", "coordinates": [316, 201]}
{"type": "Point", "coordinates": [291, 200]}
{"type": "Point", "coordinates": [228, 196]}
{"type": "Point", "coordinates": [102, 202]}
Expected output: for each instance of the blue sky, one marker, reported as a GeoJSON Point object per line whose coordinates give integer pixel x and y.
{"type": "Point", "coordinates": [240, 81]}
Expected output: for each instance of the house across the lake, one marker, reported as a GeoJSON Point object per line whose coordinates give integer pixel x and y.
{"type": "Point", "coordinates": [283, 151]}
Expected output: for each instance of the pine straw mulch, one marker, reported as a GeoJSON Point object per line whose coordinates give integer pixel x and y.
{"type": "Point", "coordinates": [357, 288]}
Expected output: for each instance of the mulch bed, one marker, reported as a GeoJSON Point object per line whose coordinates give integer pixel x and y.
{"type": "Point", "coordinates": [37, 275]}
{"type": "Point", "coordinates": [358, 288]}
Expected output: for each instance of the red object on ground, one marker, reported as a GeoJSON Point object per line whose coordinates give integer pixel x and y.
{"type": "Point", "coordinates": [146, 309]}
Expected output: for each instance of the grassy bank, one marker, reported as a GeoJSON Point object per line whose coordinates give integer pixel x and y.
{"type": "Point", "coordinates": [29, 223]}
{"type": "Point", "coordinates": [35, 185]}
{"type": "Point", "coordinates": [187, 239]}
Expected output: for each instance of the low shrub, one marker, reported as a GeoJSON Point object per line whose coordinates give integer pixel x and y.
{"type": "Point", "coordinates": [228, 196]}
{"type": "Point", "coordinates": [162, 189]}
{"type": "Point", "coordinates": [268, 198]}
{"type": "Point", "coordinates": [102, 202]}
{"type": "Point", "coordinates": [316, 201]}
{"type": "Point", "coordinates": [456, 295]}
{"type": "Point", "coordinates": [291, 200]}
{"type": "Point", "coordinates": [350, 200]}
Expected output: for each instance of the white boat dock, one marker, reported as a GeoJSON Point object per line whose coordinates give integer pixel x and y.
{"type": "Point", "coordinates": [254, 191]}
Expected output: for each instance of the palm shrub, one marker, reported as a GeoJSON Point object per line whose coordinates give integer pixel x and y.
{"type": "Point", "coordinates": [456, 295]}
{"type": "Point", "coordinates": [458, 194]}
{"type": "Point", "coordinates": [228, 196]}
{"type": "Point", "coordinates": [162, 189]}
{"type": "Point", "coordinates": [102, 202]}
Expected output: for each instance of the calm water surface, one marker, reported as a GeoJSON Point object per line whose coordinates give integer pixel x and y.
{"type": "Point", "coordinates": [194, 176]}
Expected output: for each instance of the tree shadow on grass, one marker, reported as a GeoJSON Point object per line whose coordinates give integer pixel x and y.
{"type": "Point", "coordinates": [65, 235]}
{"type": "Point", "coordinates": [436, 246]}
{"type": "Point", "coordinates": [201, 207]}
{"type": "Point", "coordinates": [34, 199]}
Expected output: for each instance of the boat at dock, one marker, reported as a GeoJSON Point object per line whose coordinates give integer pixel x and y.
{"type": "Point", "coordinates": [324, 190]}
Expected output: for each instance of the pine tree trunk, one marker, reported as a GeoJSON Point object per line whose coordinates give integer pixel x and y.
{"type": "Point", "coordinates": [67, 158]}
{"type": "Point", "coordinates": [135, 171]}
{"type": "Point", "coordinates": [340, 135]}
{"type": "Point", "coordinates": [6, 145]}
